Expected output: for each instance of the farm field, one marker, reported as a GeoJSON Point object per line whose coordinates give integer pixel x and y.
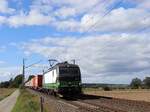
{"type": "Point", "coordinates": [139, 95]}
{"type": "Point", "coordinates": [4, 92]}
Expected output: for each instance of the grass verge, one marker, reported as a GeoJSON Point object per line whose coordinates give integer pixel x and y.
{"type": "Point", "coordinates": [27, 102]}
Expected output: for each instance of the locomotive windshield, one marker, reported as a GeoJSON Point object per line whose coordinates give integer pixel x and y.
{"type": "Point", "coordinates": [69, 74]}
{"type": "Point", "coordinates": [69, 71]}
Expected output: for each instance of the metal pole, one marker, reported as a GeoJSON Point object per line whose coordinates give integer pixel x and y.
{"type": "Point", "coordinates": [41, 103]}
{"type": "Point", "coordinates": [23, 72]}
{"type": "Point", "coordinates": [25, 67]}
{"type": "Point", "coordinates": [74, 61]}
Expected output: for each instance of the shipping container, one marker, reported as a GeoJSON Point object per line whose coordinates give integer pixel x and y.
{"type": "Point", "coordinates": [36, 82]}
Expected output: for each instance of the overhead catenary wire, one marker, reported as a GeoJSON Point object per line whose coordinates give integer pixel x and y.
{"type": "Point", "coordinates": [142, 29]}
{"type": "Point", "coordinates": [105, 14]}
{"type": "Point", "coordinates": [98, 3]}
{"type": "Point", "coordinates": [108, 12]}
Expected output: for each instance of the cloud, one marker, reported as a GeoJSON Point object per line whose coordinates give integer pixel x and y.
{"type": "Point", "coordinates": [4, 8]}
{"type": "Point", "coordinates": [81, 16]}
{"type": "Point", "coordinates": [2, 48]}
{"type": "Point", "coordinates": [101, 55]}
{"type": "Point", "coordinates": [144, 4]}
{"type": "Point", "coordinates": [65, 12]}
{"type": "Point", "coordinates": [74, 8]}
{"type": "Point", "coordinates": [116, 21]}
{"type": "Point", "coordinates": [9, 72]}
{"type": "Point", "coordinates": [33, 18]}
{"type": "Point", "coordinates": [2, 62]}
{"type": "Point", "coordinates": [2, 20]}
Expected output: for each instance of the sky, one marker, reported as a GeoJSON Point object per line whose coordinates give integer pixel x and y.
{"type": "Point", "coordinates": [109, 39]}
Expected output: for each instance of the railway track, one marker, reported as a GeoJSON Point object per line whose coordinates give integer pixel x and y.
{"type": "Point", "coordinates": [94, 104]}
{"type": "Point", "coordinates": [87, 107]}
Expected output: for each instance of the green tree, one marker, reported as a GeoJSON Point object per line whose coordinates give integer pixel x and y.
{"type": "Point", "coordinates": [10, 82]}
{"type": "Point", "coordinates": [146, 82]}
{"type": "Point", "coordinates": [136, 83]}
{"type": "Point", "coordinates": [17, 81]}
{"type": "Point", "coordinates": [30, 77]}
{"type": "Point", "coordinates": [4, 84]}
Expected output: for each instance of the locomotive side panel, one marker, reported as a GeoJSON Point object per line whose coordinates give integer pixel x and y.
{"type": "Point", "coordinates": [49, 80]}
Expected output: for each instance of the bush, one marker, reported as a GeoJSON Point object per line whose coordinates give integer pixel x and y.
{"type": "Point", "coordinates": [106, 88]}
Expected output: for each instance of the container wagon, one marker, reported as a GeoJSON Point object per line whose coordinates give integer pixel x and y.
{"type": "Point", "coordinates": [27, 84]}
{"type": "Point", "coordinates": [37, 82]}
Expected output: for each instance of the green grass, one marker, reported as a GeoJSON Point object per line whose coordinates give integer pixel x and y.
{"type": "Point", "coordinates": [5, 92]}
{"type": "Point", "coordinates": [27, 102]}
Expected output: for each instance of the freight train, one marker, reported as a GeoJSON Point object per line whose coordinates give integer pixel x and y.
{"type": "Point", "coordinates": [62, 79]}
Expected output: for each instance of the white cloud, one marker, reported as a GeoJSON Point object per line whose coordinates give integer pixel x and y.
{"type": "Point", "coordinates": [119, 20]}
{"type": "Point", "coordinates": [69, 25]}
{"type": "Point", "coordinates": [4, 8]}
{"type": "Point", "coordinates": [79, 16]}
{"type": "Point", "coordinates": [9, 72]}
{"type": "Point", "coordinates": [144, 4]}
{"type": "Point", "coordinates": [2, 48]}
{"type": "Point", "coordinates": [2, 62]}
{"type": "Point", "coordinates": [2, 20]}
{"type": "Point", "coordinates": [65, 12]}
{"type": "Point", "coordinates": [103, 55]}
{"type": "Point", "coordinates": [33, 18]}
{"type": "Point", "coordinates": [74, 8]}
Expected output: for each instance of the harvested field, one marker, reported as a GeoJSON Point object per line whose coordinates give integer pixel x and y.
{"type": "Point", "coordinates": [139, 95]}
{"type": "Point", "coordinates": [4, 92]}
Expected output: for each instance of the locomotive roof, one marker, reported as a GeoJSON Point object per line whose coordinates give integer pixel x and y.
{"type": "Point", "coordinates": [64, 64]}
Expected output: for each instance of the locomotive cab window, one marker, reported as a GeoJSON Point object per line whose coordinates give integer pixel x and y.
{"type": "Point", "coordinates": [67, 71]}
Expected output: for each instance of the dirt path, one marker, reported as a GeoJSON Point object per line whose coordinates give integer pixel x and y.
{"type": "Point", "coordinates": [8, 103]}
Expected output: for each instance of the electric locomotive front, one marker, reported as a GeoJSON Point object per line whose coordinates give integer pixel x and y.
{"type": "Point", "coordinates": [63, 79]}
{"type": "Point", "coordinates": [69, 79]}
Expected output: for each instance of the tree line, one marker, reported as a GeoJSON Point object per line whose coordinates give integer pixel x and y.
{"type": "Point", "coordinates": [12, 83]}
{"type": "Point", "coordinates": [137, 83]}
